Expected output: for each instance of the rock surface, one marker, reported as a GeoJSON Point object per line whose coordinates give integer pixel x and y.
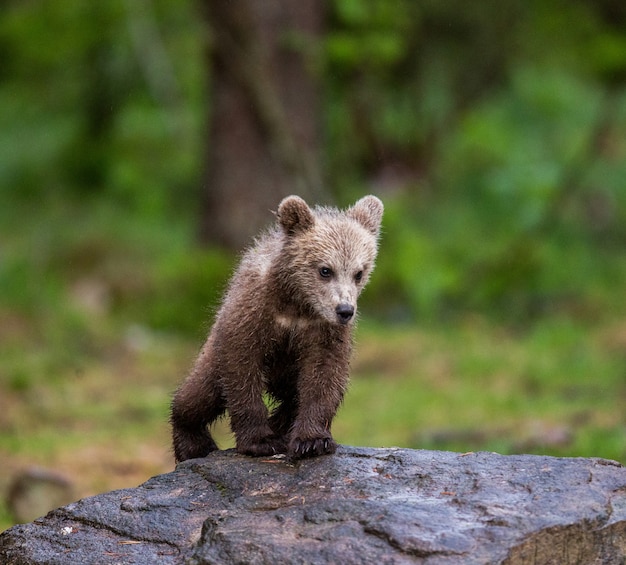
{"type": "Point", "coordinates": [360, 505]}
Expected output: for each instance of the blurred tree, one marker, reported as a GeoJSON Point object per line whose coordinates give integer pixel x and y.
{"type": "Point", "coordinates": [263, 137]}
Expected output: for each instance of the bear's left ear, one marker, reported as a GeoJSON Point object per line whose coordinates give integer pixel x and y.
{"type": "Point", "coordinates": [294, 215]}
{"type": "Point", "coordinates": [368, 211]}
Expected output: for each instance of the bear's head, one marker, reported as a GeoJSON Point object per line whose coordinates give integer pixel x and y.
{"type": "Point", "coordinates": [328, 255]}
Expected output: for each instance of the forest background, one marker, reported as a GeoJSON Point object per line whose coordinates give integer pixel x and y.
{"type": "Point", "coordinates": [495, 133]}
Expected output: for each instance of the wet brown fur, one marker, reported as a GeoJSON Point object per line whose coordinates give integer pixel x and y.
{"type": "Point", "coordinates": [279, 331]}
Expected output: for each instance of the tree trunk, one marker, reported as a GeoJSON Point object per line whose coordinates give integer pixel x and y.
{"type": "Point", "coordinates": [263, 137]}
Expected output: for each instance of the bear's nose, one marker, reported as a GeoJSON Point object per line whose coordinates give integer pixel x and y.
{"type": "Point", "coordinates": [344, 312]}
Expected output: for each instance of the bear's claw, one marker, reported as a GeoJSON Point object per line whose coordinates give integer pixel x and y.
{"type": "Point", "coordinates": [301, 448]}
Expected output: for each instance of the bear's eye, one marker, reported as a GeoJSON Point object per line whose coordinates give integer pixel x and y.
{"type": "Point", "coordinates": [325, 272]}
{"type": "Point", "coordinates": [358, 276]}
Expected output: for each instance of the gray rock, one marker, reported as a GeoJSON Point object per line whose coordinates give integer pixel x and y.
{"type": "Point", "coordinates": [358, 506]}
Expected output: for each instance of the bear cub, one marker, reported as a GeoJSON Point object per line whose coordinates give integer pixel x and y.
{"type": "Point", "coordinates": [282, 334]}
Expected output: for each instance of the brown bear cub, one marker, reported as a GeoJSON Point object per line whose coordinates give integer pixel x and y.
{"type": "Point", "coordinates": [283, 330]}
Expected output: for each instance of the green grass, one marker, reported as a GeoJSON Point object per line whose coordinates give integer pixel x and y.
{"type": "Point", "coordinates": [557, 388]}
{"type": "Point", "coordinates": [101, 315]}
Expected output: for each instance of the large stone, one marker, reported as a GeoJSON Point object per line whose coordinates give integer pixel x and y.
{"type": "Point", "coordinates": [358, 506]}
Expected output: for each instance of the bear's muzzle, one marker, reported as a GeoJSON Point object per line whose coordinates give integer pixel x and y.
{"type": "Point", "coordinates": [344, 313]}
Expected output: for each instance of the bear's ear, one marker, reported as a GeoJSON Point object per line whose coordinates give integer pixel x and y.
{"type": "Point", "coordinates": [294, 215]}
{"type": "Point", "coordinates": [368, 211]}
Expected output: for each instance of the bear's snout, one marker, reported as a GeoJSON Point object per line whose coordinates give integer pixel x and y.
{"type": "Point", "coordinates": [344, 313]}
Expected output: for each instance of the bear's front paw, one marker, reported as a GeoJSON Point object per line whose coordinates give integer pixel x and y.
{"type": "Point", "coordinates": [265, 446]}
{"type": "Point", "coordinates": [311, 447]}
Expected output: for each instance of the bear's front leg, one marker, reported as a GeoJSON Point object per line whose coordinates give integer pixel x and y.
{"type": "Point", "coordinates": [311, 435]}
{"type": "Point", "coordinates": [258, 442]}
{"type": "Point", "coordinates": [320, 391]}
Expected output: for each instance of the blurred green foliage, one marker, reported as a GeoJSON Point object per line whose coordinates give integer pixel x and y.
{"type": "Point", "coordinates": [500, 139]}
{"type": "Point", "coordinates": [495, 136]}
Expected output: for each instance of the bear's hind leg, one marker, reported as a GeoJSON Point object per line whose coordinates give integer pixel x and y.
{"type": "Point", "coordinates": [192, 442]}
{"type": "Point", "coordinates": [196, 405]}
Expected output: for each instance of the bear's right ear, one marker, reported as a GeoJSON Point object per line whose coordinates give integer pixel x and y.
{"type": "Point", "coordinates": [294, 215]}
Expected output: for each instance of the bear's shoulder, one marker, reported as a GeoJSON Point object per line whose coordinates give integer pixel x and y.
{"type": "Point", "coordinates": [259, 258]}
